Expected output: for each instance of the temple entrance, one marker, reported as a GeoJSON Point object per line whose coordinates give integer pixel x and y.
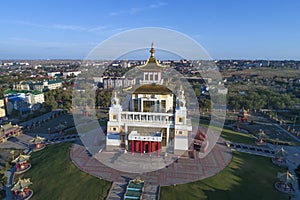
{"type": "Point", "coordinates": [146, 147]}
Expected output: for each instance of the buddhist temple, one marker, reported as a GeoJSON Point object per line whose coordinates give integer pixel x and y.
{"type": "Point", "coordinates": [242, 116]}
{"type": "Point", "coordinates": [20, 189]}
{"type": "Point", "coordinates": [8, 130]}
{"type": "Point", "coordinates": [261, 137]}
{"type": "Point", "coordinates": [38, 143]}
{"type": "Point", "coordinates": [280, 157]}
{"type": "Point", "coordinates": [286, 182]}
{"type": "Point", "coordinates": [156, 120]}
{"type": "Point", "coordinates": [22, 164]}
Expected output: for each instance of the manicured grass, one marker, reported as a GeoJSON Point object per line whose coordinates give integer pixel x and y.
{"type": "Point", "coordinates": [239, 137]}
{"type": "Point", "coordinates": [233, 136]}
{"type": "Point", "coordinates": [54, 176]}
{"type": "Point", "coordinates": [246, 177]}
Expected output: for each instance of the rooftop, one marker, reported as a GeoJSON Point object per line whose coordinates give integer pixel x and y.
{"type": "Point", "coordinates": [152, 89]}
{"type": "Point", "coordinates": [151, 64]}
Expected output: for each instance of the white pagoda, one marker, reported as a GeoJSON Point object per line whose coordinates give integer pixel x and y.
{"type": "Point", "coordinates": [156, 120]}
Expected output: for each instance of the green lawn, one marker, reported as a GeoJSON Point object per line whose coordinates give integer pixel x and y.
{"type": "Point", "coordinates": [246, 177]}
{"type": "Point", "coordinates": [54, 176]}
{"type": "Point", "coordinates": [233, 136]}
{"type": "Point", "coordinates": [239, 137]}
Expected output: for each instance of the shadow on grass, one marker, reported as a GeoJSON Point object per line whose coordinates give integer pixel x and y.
{"type": "Point", "coordinates": [246, 177]}
{"type": "Point", "coordinates": [54, 176]}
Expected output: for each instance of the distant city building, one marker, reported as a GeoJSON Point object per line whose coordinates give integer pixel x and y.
{"type": "Point", "coordinates": [36, 97]}
{"type": "Point", "coordinates": [222, 90]}
{"type": "Point", "coordinates": [54, 84]}
{"type": "Point", "coordinates": [39, 86]}
{"type": "Point", "coordinates": [71, 73]}
{"type": "Point", "coordinates": [23, 101]}
{"type": "Point", "coordinates": [53, 74]}
{"type": "Point", "coordinates": [23, 85]}
{"type": "Point", "coordinates": [98, 79]}
{"type": "Point", "coordinates": [51, 85]}
{"type": "Point", "coordinates": [2, 108]}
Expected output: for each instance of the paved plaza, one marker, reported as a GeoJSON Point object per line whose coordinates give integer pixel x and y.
{"type": "Point", "coordinates": [184, 170]}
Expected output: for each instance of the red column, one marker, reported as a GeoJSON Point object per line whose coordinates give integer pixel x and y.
{"type": "Point", "coordinates": [149, 148]}
{"type": "Point", "coordinates": [158, 149]}
{"type": "Point", "coordinates": [141, 147]}
{"type": "Point", "coordinates": [132, 147]}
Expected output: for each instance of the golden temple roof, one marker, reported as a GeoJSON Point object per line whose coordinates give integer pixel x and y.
{"type": "Point", "coordinates": [21, 184]}
{"type": "Point", "coordinates": [151, 64]}
{"type": "Point", "coordinates": [152, 89]}
{"type": "Point", "coordinates": [37, 139]}
{"type": "Point", "coordinates": [21, 158]}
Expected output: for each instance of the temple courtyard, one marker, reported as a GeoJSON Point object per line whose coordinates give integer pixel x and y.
{"type": "Point", "coordinates": [244, 173]}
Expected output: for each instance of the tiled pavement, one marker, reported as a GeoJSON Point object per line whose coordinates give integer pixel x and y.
{"type": "Point", "coordinates": [185, 170]}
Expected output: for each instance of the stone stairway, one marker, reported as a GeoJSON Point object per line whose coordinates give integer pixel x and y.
{"type": "Point", "coordinates": [117, 191]}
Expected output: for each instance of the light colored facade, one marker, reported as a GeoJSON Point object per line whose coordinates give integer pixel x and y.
{"type": "Point", "coordinates": [24, 100]}
{"type": "Point", "coordinates": [36, 97]}
{"type": "Point", "coordinates": [71, 73]}
{"type": "Point", "coordinates": [22, 86]}
{"type": "Point", "coordinates": [38, 86]}
{"type": "Point", "coordinates": [2, 108]}
{"type": "Point", "coordinates": [115, 82]}
{"type": "Point", "coordinates": [53, 74]}
{"type": "Point", "coordinates": [156, 119]}
{"type": "Point", "coordinates": [51, 85]}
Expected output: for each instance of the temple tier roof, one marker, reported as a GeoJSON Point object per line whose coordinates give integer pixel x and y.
{"type": "Point", "coordinates": [281, 152]}
{"type": "Point", "coordinates": [21, 184]}
{"type": "Point", "coordinates": [152, 89]}
{"type": "Point", "coordinates": [151, 64]}
{"type": "Point", "coordinates": [286, 177]}
{"type": "Point", "coordinates": [37, 139]}
{"type": "Point", "coordinates": [21, 158]}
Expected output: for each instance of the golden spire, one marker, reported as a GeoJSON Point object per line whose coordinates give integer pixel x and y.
{"type": "Point", "coordinates": [152, 51]}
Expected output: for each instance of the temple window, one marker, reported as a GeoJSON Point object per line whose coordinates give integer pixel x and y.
{"type": "Point", "coordinates": [146, 76]}
{"type": "Point", "coordinates": [156, 76]}
{"type": "Point", "coordinates": [151, 76]}
{"type": "Point", "coordinates": [136, 105]}
{"type": "Point", "coordinates": [180, 119]}
{"type": "Point", "coordinates": [163, 105]}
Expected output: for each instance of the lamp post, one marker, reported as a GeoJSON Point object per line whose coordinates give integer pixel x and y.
{"type": "Point", "coordinates": [295, 121]}
{"type": "Point", "coordinates": [295, 158]}
{"type": "Point", "coordinates": [12, 152]}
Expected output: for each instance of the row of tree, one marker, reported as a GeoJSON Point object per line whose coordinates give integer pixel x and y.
{"type": "Point", "coordinates": [262, 98]}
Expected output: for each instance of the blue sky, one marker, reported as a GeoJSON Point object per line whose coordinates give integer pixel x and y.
{"type": "Point", "coordinates": [254, 29]}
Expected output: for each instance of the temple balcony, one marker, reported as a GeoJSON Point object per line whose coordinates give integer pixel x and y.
{"type": "Point", "coordinates": [159, 82]}
{"type": "Point", "coordinates": [155, 137]}
{"type": "Point", "coordinates": [148, 117]}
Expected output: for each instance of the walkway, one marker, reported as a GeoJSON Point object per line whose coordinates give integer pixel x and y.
{"type": "Point", "coordinates": [118, 190]}
{"type": "Point", "coordinates": [251, 149]}
{"type": "Point", "coordinates": [184, 170]}
{"type": "Point", "coordinates": [10, 173]}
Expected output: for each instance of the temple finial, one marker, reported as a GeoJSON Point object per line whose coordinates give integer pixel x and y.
{"type": "Point", "coordinates": [115, 94]}
{"type": "Point", "coordinates": [152, 51]}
